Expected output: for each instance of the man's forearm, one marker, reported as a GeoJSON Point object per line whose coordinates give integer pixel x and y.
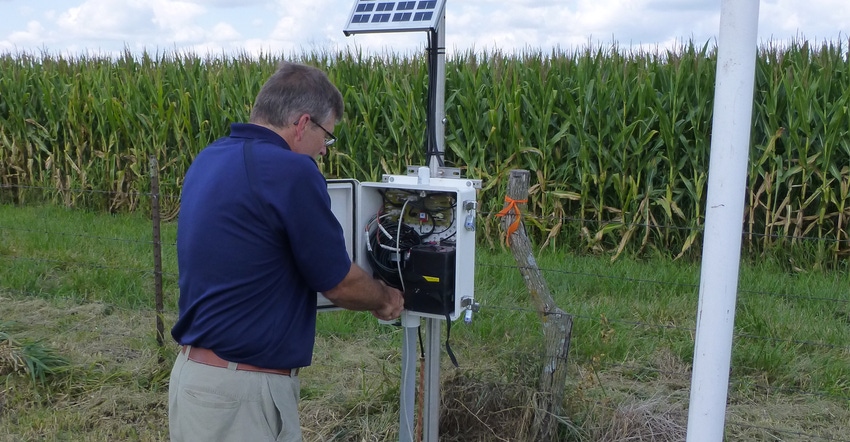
{"type": "Point", "coordinates": [359, 291]}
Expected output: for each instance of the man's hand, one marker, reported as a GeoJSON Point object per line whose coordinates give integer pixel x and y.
{"type": "Point", "coordinates": [360, 291]}
{"type": "Point", "coordinates": [393, 304]}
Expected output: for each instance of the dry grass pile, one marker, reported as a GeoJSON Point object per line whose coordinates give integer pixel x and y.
{"type": "Point", "coordinates": [31, 358]}
{"type": "Point", "coordinates": [11, 360]}
{"type": "Point", "coordinates": [481, 410]}
{"type": "Point", "coordinates": [115, 389]}
{"type": "Point", "coordinates": [651, 420]}
{"type": "Point", "coordinates": [110, 386]}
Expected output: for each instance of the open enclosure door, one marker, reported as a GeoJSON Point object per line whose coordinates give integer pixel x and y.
{"type": "Point", "coordinates": [343, 193]}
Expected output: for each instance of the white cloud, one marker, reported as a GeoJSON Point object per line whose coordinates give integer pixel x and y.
{"type": "Point", "coordinates": [171, 15]}
{"type": "Point", "coordinates": [229, 3]}
{"type": "Point", "coordinates": [816, 20]}
{"type": "Point", "coordinates": [30, 36]}
{"type": "Point", "coordinates": [23, 39]}
{"type": "Point", "coordinates": [144, 24]}
{"type": "Point", "coordinates": [175, 21]}
{"type": "Point", "coordinates": [224, 32]}
{"type": "Point", "coordinates": [109, 19]}
{"type": "Point", "coordinates": [305, 26]}
{"type": "Point", "coordinates": [283, 25]}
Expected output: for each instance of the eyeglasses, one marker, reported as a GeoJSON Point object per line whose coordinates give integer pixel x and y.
{"type": "Point", "coordinates": [329, 139]}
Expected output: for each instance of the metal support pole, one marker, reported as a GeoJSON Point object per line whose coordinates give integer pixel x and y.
{"type": "Point", "coordinates": [431, 406]}
{"type": "Point", "coordinates": [407, 414]}
{"type": "Point", "coordinates": [727, 173]}
{"type": "Point", "coordinates": [439, 106]}
{"type": "Point", "coordinates": [157, 253]}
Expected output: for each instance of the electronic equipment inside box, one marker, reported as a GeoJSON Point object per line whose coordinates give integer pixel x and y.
{"type": "Point", "coordinates": [419, 238]}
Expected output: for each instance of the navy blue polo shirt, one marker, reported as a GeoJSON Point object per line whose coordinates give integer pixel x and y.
{"type": "Point", "coordinates": [256, 239]}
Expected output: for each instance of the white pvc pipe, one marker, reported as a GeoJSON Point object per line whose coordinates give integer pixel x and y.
{"type": "Point", "coordinates": [727, 173]}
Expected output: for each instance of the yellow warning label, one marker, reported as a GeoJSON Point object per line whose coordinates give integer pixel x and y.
{"type": "Point", "coordinates": [432, 278]}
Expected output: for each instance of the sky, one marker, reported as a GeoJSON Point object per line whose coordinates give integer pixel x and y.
{"type": "Point", "coordinates": [217, 27]}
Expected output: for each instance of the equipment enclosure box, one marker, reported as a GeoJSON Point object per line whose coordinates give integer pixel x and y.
{"type": "Point", "coordinates": [438, 275]}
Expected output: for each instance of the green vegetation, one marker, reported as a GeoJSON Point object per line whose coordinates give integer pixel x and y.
{"type": "Point", "coordinates": [618, 140]}
{"type": "Point", "coordinates": [81, 284]}
{"type": "Point", "coordinates": [33, 359]}
{"type": "Point", "coordinates": [618, 143]}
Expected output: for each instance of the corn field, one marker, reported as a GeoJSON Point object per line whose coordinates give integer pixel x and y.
{"type": "Point", "coordinates": [618, 141]}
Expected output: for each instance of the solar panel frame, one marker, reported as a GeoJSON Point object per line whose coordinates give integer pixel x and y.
{"type": "Point", "coordinates": [384, 16]}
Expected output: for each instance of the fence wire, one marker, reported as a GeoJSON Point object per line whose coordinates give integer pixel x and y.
{"type": "Point", "coordinates": [144, 239]}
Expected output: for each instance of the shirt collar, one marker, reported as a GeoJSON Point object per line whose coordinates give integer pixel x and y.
{"type": "Point", "coordinates": [248, 130]}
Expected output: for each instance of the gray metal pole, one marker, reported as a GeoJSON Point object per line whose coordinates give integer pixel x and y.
{"type": "Point", "coordinates": [407, 415]}
{"type": "Point", "coordinates": [157, 254]}
{"type": "Point", "coordinates": [727, 173]}
{"type": "Point", "coordinates": [431, 405]}
{"type": "Point", "coordinates": [439, 108]}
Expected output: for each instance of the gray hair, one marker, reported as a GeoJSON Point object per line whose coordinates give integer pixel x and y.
{"type": "Point", "coordinates": [296, 89]}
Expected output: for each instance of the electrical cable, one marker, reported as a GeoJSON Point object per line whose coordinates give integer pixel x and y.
{"type": "Point", "coordinates": [388, 241]}
{"type": "Point", "coordinates": [438, 206]}
{"type": "Point", "coordinates": [431, 148]}
{"type": "Point", "coordinates": [398, 245]}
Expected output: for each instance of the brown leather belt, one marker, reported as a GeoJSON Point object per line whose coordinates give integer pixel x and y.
{"type": "Point", "coordinates": [208, 357]}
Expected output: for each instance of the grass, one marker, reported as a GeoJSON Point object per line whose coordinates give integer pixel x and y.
{"type": "Point", "coordinates": [85, 256]}
{"type": "Point", "coordinates": [31, 358]}
{"type": "Point", "coordinates": [80, 284]}
{"type": "Point", "coordinates": [113, 387]}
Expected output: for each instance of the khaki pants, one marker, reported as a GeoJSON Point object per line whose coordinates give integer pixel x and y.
{"type": "Point", "coordinates": [219, 404]}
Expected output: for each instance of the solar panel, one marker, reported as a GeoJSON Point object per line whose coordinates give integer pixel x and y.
{"type": "Point", "coordinates": [394, 16]}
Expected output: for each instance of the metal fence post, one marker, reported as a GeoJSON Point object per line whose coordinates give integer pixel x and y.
{"type": "Point", "coordinates": [157, 251]}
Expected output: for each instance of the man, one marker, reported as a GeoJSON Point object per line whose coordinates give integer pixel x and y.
{"type": "Point", "coordinates": [256, 240]}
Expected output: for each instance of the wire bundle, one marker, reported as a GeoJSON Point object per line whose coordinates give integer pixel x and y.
{"type": "Point", "coordinates": [390, 242]}
{"type": "Point", "coordinates": [390, 236]}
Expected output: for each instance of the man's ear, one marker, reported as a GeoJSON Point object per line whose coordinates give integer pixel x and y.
{"type": "Point", "coordinates": [301, 126]}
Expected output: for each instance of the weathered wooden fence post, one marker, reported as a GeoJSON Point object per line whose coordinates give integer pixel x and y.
{"type": "Point", "coordinates": [557, 325]}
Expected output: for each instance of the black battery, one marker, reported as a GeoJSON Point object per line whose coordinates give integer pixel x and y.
{"type": "Point", "coordinates": [429, 279]}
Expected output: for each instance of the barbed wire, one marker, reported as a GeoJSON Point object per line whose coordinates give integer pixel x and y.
{"type": "Point", "coordinates": [479, 264]}
{"type": "Point", "coordinates": [145, 271]}
{"type": "Point", "coordinates": [526, 310]}
{"type": "Point", "coordinates": [608, 320]}
{"type": "Point", "coordinates": [654, 281]}
{"type": "Point", "coordinates": [699, 229]}
{"type": "Point", "coordinates": [595, 275]}
{"type": "Point", "coordinates": [76, 190]}
{"type": "Point", "coordinates": [485, 305]}
{"type": "Point", "coordinates": [551, 218]}
{"type": "Point", "coordinates": [76, 235]}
